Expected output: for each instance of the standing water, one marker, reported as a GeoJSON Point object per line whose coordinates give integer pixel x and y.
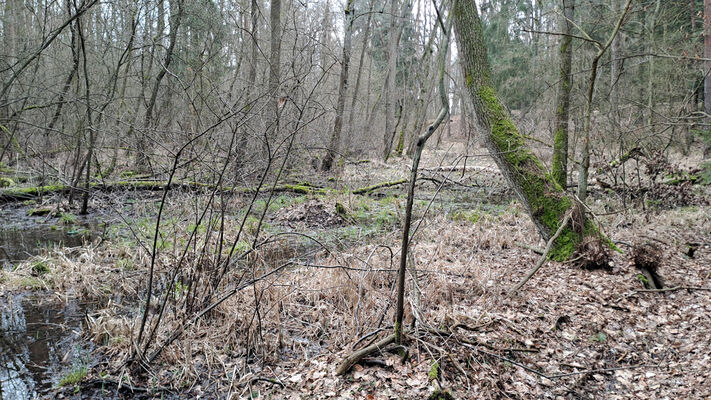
{"type": "Point", "coordinates": [40, 339]}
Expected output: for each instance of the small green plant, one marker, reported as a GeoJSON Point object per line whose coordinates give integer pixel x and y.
{"type": "Point", "coordinates": [30, 283]}
{"type": "Point", "coordinates": [599, 337]}
{"type": "Point", "coordinates": [125, 264]}
{"type": "Point", "coordinates": [73, 377]}
{"type": "Point", "coordinates": [643, 279]}
{"type": "Point", "coordinates": [39, 268]}
{"type": "Point", "coordinates": [242, 247]}
{"type": "Point", "coordinates": [433, 374]}
{"type": "Point", "coordinates": [67, 218]}
{"type": "Point", "coordinates": [6, 182]}
{"type": "Point", "coordinates": [39, 211]}
{"type": "Point", "coordinates": [471, 217]}
{"type": "Point", "coordinates": [180, 288]}
{"type": "Point", "coordinates": [705, 174]}
{"type": "Point", "coordinates": [341, 209]}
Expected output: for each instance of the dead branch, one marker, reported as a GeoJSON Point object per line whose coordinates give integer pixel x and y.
{"type": "Point", "coordinates": [354, 358]}
{"type": "Point", "coordinates": [544, 257]}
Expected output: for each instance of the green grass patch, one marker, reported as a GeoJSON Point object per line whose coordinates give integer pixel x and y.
{"type": "Point", "coordinates": [73, 377]}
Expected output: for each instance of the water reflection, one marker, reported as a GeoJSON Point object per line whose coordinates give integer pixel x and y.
{"type": "Point", "coordinates": [22, 236]}
{"type": "Point", "coordinates": [37, 343]}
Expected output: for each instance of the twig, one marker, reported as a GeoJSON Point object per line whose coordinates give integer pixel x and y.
{"type": "Point", "coordinates": [673, 289]}
{"type": "Point", "coordinates": [269, 380]}
{"type": "Point", "coordinates": [543, 258]}
{"type": "Point", "coordinates": [592, 371]}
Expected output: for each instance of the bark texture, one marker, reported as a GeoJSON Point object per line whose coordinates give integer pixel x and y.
{"type": "Point", "coordinates": [707, 67]}
{"type": "Point", "coordinates": [562, 113]}
{"type": "Point", "coordinates": [544, 200]}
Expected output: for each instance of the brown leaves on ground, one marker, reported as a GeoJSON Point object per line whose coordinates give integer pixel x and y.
{"type": "Point", "coordinates": [570, 334]}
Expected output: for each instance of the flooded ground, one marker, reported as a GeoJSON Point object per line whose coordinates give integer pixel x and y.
{"type": "Point", "coordinates": [40, 343]}
{"type": "Point", "coordinates": [40, 337]}
{"type": "Point", "coordinates": [22, 235]}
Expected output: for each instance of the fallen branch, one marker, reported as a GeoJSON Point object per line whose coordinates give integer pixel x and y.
{"type": "Point", "coordinates": [28, 193]}
{"type": "Point", "coordinates": [377, 186]}
{"type": "Point", "coordinates": [673, 289]}
{"type": "Point", "coordinates": [544, 257]}
{"type": "Point", "coordinates": [354, 358]}
{"type": "Point", "coordinates": [534, 249]}
{"type": "Point", "coordinates": [455, 168]}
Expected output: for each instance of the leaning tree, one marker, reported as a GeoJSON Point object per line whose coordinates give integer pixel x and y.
{"type": "Point", "coordinates": [543, 198]}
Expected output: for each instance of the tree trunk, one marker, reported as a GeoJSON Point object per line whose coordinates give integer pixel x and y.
{"type": "Point", "coordinates": [587, 124]}
{"type": "Point", "coordinates": [342, 89]}
{"type": "Point", "coordinates": [544, 200]}
{"type": "Point", "coordinates": [390, 82]}
{"type": "Point", "coordinates": [241, 150]}
{"type": "Point", "coordinates": [650, 76]}
{"type": "Point", "coordinates": [359, 72]}
{"type": "Point", "coordinates": [274, 74]}
{"type": "Point", "coordinates": [707, 76]}
{"type": "Point", "coordinates": [562, 113]}
{"type": "Point", "coordinates": [143, 161]}
{"type": "Point", "coordinates": [89, 119]}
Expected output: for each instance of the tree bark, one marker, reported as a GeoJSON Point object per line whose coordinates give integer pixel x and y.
{"type": "Point", "coordinates": [707, 68]}
{"type": "Point", "coordinates": [562, 113]}
{"type": "Point", "coordinates": [544, 200]}
{"type": "Point", "coordinates": [143, 161]}
{"type": "Point", "coordinates": [274, 74]}
{"type": "Point", "coordinates": [587, 124]}
{"type": "Point", "coordinates": [342, 89]}
{"type": "Point", "coordinates": [359, 72]}
{"type": "Point", "coordinates": [393, 40]}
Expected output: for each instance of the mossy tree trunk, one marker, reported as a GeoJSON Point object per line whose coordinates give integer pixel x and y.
{"type": "Point", "coordinates": [560, 146]}
{"type": "Point", "coordinates": [707, 66]}
{"type": "Point", "coordinates": [542, 196]}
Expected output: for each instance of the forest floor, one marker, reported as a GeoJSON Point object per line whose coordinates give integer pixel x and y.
{"type": "Point", "coordinates": [568, 333]}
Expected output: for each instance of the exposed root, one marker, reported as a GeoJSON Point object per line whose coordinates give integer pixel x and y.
{"type": "Point", "coordinates": [646, 258]}
{"type": "Point", "coordinates": [354, 358]}
{"type": "Point", "coordinates": [592, 253]}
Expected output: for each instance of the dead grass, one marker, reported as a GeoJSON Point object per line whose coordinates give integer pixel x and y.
{"type": "Point", "coordinates": [293, 327]}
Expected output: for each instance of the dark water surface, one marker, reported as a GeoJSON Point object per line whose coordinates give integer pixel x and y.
{"type": "Point", "coordinates": [40, 337]}
{"type": "Point", "coordinates": [40, 342]}
{"type": "Point", "coordinates": [22, 236]}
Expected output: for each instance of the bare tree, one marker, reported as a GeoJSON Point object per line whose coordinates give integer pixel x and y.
{"type": "Point", "coordinates": [562, 109]}
{"type": "Point", "coordinates": [342, 88]}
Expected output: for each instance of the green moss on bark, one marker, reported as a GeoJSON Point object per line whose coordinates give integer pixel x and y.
{"type": "Point", "coordinates": [546, 197]}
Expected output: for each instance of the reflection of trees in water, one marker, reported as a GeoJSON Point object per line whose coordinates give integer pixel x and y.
{"type": "Point", "coordinates": [33, 341]}
{"type": "Point", "coordinates": [15, 379]}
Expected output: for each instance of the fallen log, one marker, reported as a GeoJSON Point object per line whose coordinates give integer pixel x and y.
{"type": "Point", "coordinates": [29, 193]}
{"type": "Point", "coordinates": [381, 185]}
